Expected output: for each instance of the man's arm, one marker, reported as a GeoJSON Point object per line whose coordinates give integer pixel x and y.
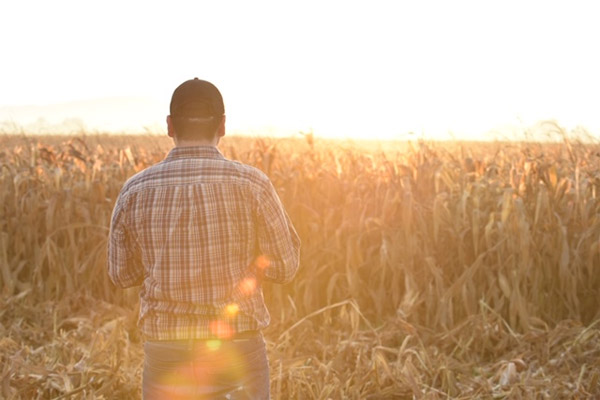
{"type": "Point", "coordinates": [278, 241]}
{"type": "Point", "coordinates": [124, 262]}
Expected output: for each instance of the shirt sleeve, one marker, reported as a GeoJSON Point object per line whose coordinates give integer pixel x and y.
{"type": "Point", "coordinates": [124, 258]}
{"type": "Point", "coordinates": [278, 241]}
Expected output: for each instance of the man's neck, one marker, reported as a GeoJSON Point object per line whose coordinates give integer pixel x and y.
{"type": "Point", "coordinates": [194, 143]}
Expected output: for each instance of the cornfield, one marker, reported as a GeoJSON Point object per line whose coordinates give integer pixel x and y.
{"type": "Point", "coordinates": [428, 270]}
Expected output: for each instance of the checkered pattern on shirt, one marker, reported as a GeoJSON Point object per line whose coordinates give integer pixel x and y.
{"type": "Point", "coordinates": [189, 229]}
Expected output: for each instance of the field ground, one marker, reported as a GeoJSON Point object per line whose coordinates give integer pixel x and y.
{"type": "Point", "coordinates": [428, 270]}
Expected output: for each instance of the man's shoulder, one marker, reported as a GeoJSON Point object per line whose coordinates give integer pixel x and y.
{"type": "Point", "coordinates": [248, 175]}
{"type": "Point", "coordinates": [221, 170]}
{"type": "Point", "coordinates": [247, 171]}
{"type": "Point", "coordinates": [140, 176]}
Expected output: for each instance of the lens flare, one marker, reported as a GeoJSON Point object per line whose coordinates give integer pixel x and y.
{"type": "Point", "coordinates": [262, 262]}
{"type": "Point", "coordinates": [213, 345]}
{"type": "Point", "coordinates": [248, 286]}
{"type": "Point", "coordinates": [221, 329]}
{"type": "Point", "coordinates": [176, 384]}
{"type": "Point", "coordinates": [232, 309]}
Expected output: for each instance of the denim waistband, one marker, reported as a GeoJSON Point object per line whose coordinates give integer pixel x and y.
{"type": "Point", "coordinates": [246, 335]}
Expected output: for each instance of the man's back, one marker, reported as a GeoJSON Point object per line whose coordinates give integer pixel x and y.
{"type": "Point", "coordinates": [198, 222]}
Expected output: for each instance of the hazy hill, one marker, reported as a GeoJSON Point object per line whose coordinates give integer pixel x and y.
{"type": "Point", "coordinates": [114, 114]}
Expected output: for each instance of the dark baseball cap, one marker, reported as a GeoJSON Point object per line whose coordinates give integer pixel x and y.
{"type": "Point", "coordinates": [196, 98]}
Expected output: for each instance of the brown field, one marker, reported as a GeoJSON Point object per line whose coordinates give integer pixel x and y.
{"type": "Point", "coordinates": [428, 270]}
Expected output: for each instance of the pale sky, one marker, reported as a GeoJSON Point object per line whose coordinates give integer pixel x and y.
{"type": "Point", "coordinates": [376, 69]}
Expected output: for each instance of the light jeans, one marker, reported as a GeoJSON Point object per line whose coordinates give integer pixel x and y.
{"type": "Point", "coordinates": [206, 369]}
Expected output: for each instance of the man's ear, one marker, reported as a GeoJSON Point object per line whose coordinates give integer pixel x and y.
{"type": "Point", "coordinates": [221, 130]}
{"type": "Point", "coordinates": [170, 128]}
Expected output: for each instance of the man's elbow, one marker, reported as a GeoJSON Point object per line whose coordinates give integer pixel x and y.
{"type": "Point", "coordinates": [124, 282]}
{"type": "Point", "coordinates": [294, 265]}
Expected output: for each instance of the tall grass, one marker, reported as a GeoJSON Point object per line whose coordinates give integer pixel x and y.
{"type": "Point", "coordinates": [428, 270]}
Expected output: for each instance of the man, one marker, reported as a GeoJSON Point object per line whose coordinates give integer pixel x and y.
{"type": "Point", "coordinates": [200, 233]}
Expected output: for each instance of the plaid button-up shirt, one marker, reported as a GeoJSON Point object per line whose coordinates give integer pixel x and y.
{"type": "Point", "coordinates": [200, 233]}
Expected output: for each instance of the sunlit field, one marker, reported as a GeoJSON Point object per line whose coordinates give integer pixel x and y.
{"type": "Point", "coordinates": [428, 270]}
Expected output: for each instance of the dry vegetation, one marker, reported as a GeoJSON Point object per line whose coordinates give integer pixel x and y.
{"type": "Point", "coordinates": [428, 271]}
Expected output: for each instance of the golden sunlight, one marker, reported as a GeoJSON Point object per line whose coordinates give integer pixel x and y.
{"type": "Point", "coordinates": [428, 69]}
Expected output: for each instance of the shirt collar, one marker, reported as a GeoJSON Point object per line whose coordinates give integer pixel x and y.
{"type": "Point", "coordinates": [194, 152]}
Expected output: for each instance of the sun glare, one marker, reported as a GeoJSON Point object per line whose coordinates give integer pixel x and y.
{"type": "Point", "coordinates": [383, 70]}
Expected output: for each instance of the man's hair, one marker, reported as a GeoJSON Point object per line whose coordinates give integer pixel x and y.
{"type": "Point", "coordinates": [197, 110]}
